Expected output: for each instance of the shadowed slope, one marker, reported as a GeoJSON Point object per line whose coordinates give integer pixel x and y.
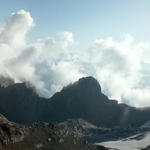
{"type": "Point", "coordinates": [82, 99]}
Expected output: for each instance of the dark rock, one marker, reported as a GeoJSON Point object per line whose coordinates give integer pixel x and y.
{"type": "Point", "coordinates": [10, 132]}
{"type": "Point", "coordinates": [83, 99]}
{"type": "Point", "coordinates": [39, 136]}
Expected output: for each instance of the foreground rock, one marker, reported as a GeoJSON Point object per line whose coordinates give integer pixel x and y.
{"type": "Point", "coordinates": [49, 136]}
{"type": "Point", "coordinates": [41, 136]}
{"type": "Point", "coordinates": [10, 132]}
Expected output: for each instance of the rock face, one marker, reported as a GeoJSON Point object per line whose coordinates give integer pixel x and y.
{"type": "Point", "coordinates": [82, 99]}
{"type": "Point", "coordinates": [10, 132]}
{"type": "Point", "coordinates": [49, 136]}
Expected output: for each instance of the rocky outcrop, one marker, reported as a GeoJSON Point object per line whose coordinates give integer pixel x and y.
{"type": "Point", "coordinates": [10, 132]}
{"type": "Point", "coordinates": [50, 136]}
{"type": "Point", "coordinates": [41, 136]}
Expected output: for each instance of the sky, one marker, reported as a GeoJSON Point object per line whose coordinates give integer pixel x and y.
{"type": "Point", "coordinates": [52, 43]}
{"type": "Point", "coordinates": [87, 19]}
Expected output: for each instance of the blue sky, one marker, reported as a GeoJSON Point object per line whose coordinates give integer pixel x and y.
{"type": "Point", "coordinates": [87, 19]}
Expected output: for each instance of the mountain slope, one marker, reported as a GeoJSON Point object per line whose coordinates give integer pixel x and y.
{"type": "Point", "coordinates": [82, 99]}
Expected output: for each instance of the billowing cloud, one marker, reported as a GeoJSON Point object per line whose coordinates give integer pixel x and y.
{"type": "Point", "coordinates": [119, 69]}
{"type": "Point", "coordinates": [47, 63]}
{"type": "Point", "coordinates": [122, 67]}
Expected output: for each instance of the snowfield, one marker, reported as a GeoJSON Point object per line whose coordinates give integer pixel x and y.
{"type": "Point", "coordinates": [136, 142]}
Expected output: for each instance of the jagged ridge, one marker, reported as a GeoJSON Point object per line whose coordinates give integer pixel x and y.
{"type": "Point", "coordinates": [83, 99]}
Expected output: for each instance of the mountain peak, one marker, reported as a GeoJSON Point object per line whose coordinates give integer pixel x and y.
{"type": "Point", "coordinates": [84, 86]}
{"type": "Point", "coordinates": [90, 82]}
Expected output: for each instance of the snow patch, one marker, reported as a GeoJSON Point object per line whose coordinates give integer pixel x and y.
{"type": "Point", "coordinates": [130, 143]}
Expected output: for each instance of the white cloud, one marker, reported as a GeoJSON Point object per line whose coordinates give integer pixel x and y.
{"type": "Point", "coordinates": [12, 37]}
{"type": "Point", "coordinates": [47, 63]}
{"type": "Point", "coordinates": [14, 29]}
{"type": "Point", "coordinates": [119, 69]}
{"type": "Point", "coordinates": [120, 66]}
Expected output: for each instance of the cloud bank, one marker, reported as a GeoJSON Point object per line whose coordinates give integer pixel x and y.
{"type": "Point", "coordinates": [122, 67]}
